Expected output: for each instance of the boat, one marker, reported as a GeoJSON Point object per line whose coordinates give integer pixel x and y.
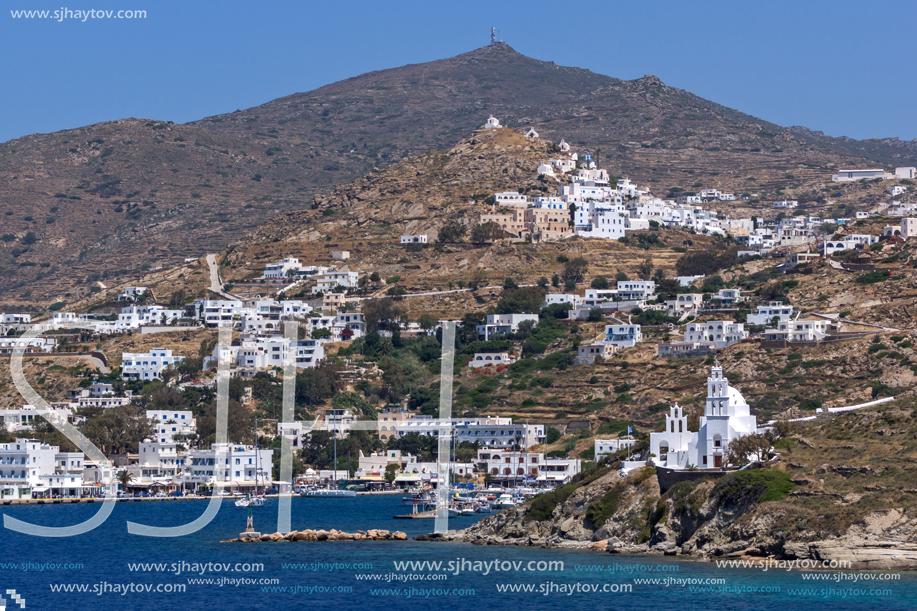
{"type": "Point", "coordinates": [244, 502]}
{"type": "Point", "coordinates": [505, 502]}
{"type": "Point", "coordinates": [256, 501]}
{"type": "Point", "coordinates": [329, 493]}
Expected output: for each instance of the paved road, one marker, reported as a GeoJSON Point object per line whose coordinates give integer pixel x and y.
{"type": "Point", "coordinates": [215, 285]}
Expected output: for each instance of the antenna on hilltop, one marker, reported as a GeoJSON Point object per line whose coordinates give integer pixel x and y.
{"type": "Point", "coordinates": [495, 40]}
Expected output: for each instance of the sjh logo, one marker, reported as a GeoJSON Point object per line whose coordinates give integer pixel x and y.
{"type": "Point", "coordinates": [15, 598]}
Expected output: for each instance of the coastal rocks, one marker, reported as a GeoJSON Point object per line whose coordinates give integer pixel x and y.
{"type": "Point", "coordinates": [321, 535]}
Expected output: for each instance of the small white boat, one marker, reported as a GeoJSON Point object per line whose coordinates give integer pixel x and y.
{"type": "Point", "coordinates": [256, 501]}
{"type": "Point", "coordinates": [505, 502]}
{"type": "Point", "coordinates": [243, 503]}
{"type": "Point", "coordinates": [328, 493]}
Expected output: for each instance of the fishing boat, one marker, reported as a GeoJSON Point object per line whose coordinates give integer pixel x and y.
{"type": "Point", "coordinates": [243, 502]}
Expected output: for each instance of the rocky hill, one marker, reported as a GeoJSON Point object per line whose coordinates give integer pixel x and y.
{"type": "Point", "coordinates": [840, 489]}
{"type": "Point", "coordinates": [105, 201]}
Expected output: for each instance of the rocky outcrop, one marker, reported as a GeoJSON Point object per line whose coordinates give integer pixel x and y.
{"type": "Point", "coordinates": [373, 534]}
{"type": "Point", "coordinates": [701, 519]}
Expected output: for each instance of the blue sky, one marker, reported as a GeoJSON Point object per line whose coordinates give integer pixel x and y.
{"type": "Point", "coordinates": [846, 68]}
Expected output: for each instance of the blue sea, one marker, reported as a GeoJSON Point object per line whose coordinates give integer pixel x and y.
{"type": "Point", "coordinates": [115, 569]}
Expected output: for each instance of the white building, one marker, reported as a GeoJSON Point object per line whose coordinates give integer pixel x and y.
{"type": "Point", "coordinates": [586, 354]}
{"type": "Point", "coordinates": [132, 293]}
{"type": "Point", "coordinates": [235, 465]}
{"type": "Point", "coordinates": [147, 365]}
{"type": "Point", "coordinates": [766, 314]}
{"type": "Point", "coordinates": [685, 303]}
{"type": "Point", "coordinates": [571, 299]}
{"type": "Point", "coordinates": [490, 359]}
{"type": "Point", "coordinates": [897, 190]}
{"type": "Point", "coordinates": [720, 333]}
{"type": "Point", "coordinates": [610, 446]}
{"type": "Point", "coordinates": [797, 331]}
{"type": "Point", "coordinates": [35, 344]}
{"type": "Point", "coordinates": [503, 324]}
{"type": "Point", "coordinates": [492, 123]}
{"type": "Point", "coordinates": [849, 242]}
{"type": "Point", "coordinates": [172, 423]}
{"type": "Point", "coordinates": [726, 417]}
{"type": "Point", "coordinates": [30, 468]}
{"type": "Point", "coordinates": [509, 468]}
{"type": "Point", "coordinates": [623, 336]}
{"type": "Point", "coordinates": [510, 199]}
{"type": "Point", "coordinates": [332, 279]}
{"type": "Point", "coordinates": [786, 203]}
{"type": "Point", "coordinates": [272, 351]}
{"type": "Point", "coordinates": [339, 421]}
{"type": "Point", "coordinates": [414, 239]}
{"type": "Point", "coordinates": [636, 289]}
{"type": "Point", "coordinates": [15, 319]}
{"type": "Point", "coordinates": [20, 419]}
{"type": "Point", "coordinates": [489, 432]}
{"type": "Point", "coordinates": [850, 175]}
{"type": "Point", "coordinates": [283, 269]}
{"type": "Point", "coordinates": [905, 173]}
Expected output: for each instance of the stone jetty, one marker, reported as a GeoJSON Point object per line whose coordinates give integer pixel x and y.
{"type": "Point", "coordinates": [373, 534]}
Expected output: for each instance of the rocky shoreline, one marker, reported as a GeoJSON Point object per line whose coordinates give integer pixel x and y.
{"type": "Point", "coordinates": [697, 523]}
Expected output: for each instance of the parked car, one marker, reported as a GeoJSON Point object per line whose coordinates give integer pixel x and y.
{"type": "Point", "coordinates": [272, 491]}
{"type": "Point", "coordinates": [176, 493]}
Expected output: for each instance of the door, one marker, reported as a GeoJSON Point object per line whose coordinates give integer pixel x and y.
{"type": "Point", "coordinates": [718, 462]}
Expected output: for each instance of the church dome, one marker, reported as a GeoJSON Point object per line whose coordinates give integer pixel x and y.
{"type": "Point", "coordinates": [737, 403]}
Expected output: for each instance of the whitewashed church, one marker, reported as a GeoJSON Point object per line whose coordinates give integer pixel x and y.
{"type": "Point", "coordinates": [726, 417]}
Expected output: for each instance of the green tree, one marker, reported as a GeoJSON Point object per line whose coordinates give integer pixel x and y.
{"type": "Point", "coordinates": [452, 231]}
{"type": "Point", "coordinates": [381, 315]}
{"type": "Point", "coordinates": [485, 232]}
{"type": "Point", "coordinates": [555, 280]}
{"type": "Point", "coordinates": [543, 282]}
{"type": "Point", "coordinates": [427, 321]}
{"type": "Point", "coordinates": [551, 435]}
{"type": "Point", "coordinates": [600, 283]}
{"type": "Point", "coordinates": [575, 270]}
{"type": "Point", "coordinates": [119, 430]}
{"type": "Point", "coordinates": [645, 269]}
{"type": "Point", "coordinates": [525, 300]}
{"type": "Point", "coordinates": [29, 238]}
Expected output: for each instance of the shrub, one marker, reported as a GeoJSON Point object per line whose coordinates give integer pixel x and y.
{"type": "Point", "coordinates": [753, 486]}
{"type": "Point", "coordinates": [873, 277]}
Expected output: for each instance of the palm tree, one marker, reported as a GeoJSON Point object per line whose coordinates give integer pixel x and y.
{"type": "Point", "coordinates": [124, 477]}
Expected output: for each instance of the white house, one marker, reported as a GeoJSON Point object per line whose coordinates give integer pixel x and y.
{"type": "Point", "coordinates": [235, 465]}
{"type": "Point", "coordinates": [147, 365]}
{"type": "Point", "coordinates": [132, 293]}
{"type": "Point", "coordinates": [562, 299]}
{"type": "Point", "coordinates": [797, 331]}
{"type": "Point", "coordinates": [623, 336]}
{"type": "Point", "coordinates": [273, 351]}
{"type": "Point", "coordinates": [339, 421]}
{"type": "Point", "coordinates": [766, 314]}
{"type": "Point", "coordinates": [849, 175]}
{"type": "Point", "coordinates": [636, 289]}
{"type": "Point", "coordinates": [786, 203]}
{"type": "Point", "coordinates": [492, 123]}
{"type": "Point", "coordinates": [15, 319]}
{"type": "Point", "coordinates": [20, 419]}
{"type": "Point", "coordinates": [720, 333]}
{"type": "Point", "coordinates": [172, 423]}
{"type": "Point", "coordinates": [897, 190]}
{"type": "Point", "coordinates": [503, 324]}
{"type": "Point", "coordinates": [414, 239]}
{"type": "Point", "coordinates": [905, 173]}
{"type": "Point", "coordinates": [531, 133]}
{"type": "Point", "coordinates": [509, 468]}
{"type": "Point", "coordinates": [586, 354]}
{"type": "Point", "coordinates": [332, 279]}
{"type": "Point", "coordinates": [610, 446]}
{"type": "Point", "coordinates": [489, 432]}
{"type": "Point", "coordinates": [35, 344]}
{"type": "Point", "coordinates": [283, 269]}
{"type": "Point", "coordinates": [726, 417]}
{"type": "Point", "coordinates": [685, 302]}
{"type": "Point", "coordinates": [490, 359]}
{"type": "Point", "coordinates": [728, 297]}
{"type": "Point", "coordinates": [510, 199]}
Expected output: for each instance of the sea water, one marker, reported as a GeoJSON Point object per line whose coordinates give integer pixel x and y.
{"type": "Point", "coordinates": [110, 569]}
